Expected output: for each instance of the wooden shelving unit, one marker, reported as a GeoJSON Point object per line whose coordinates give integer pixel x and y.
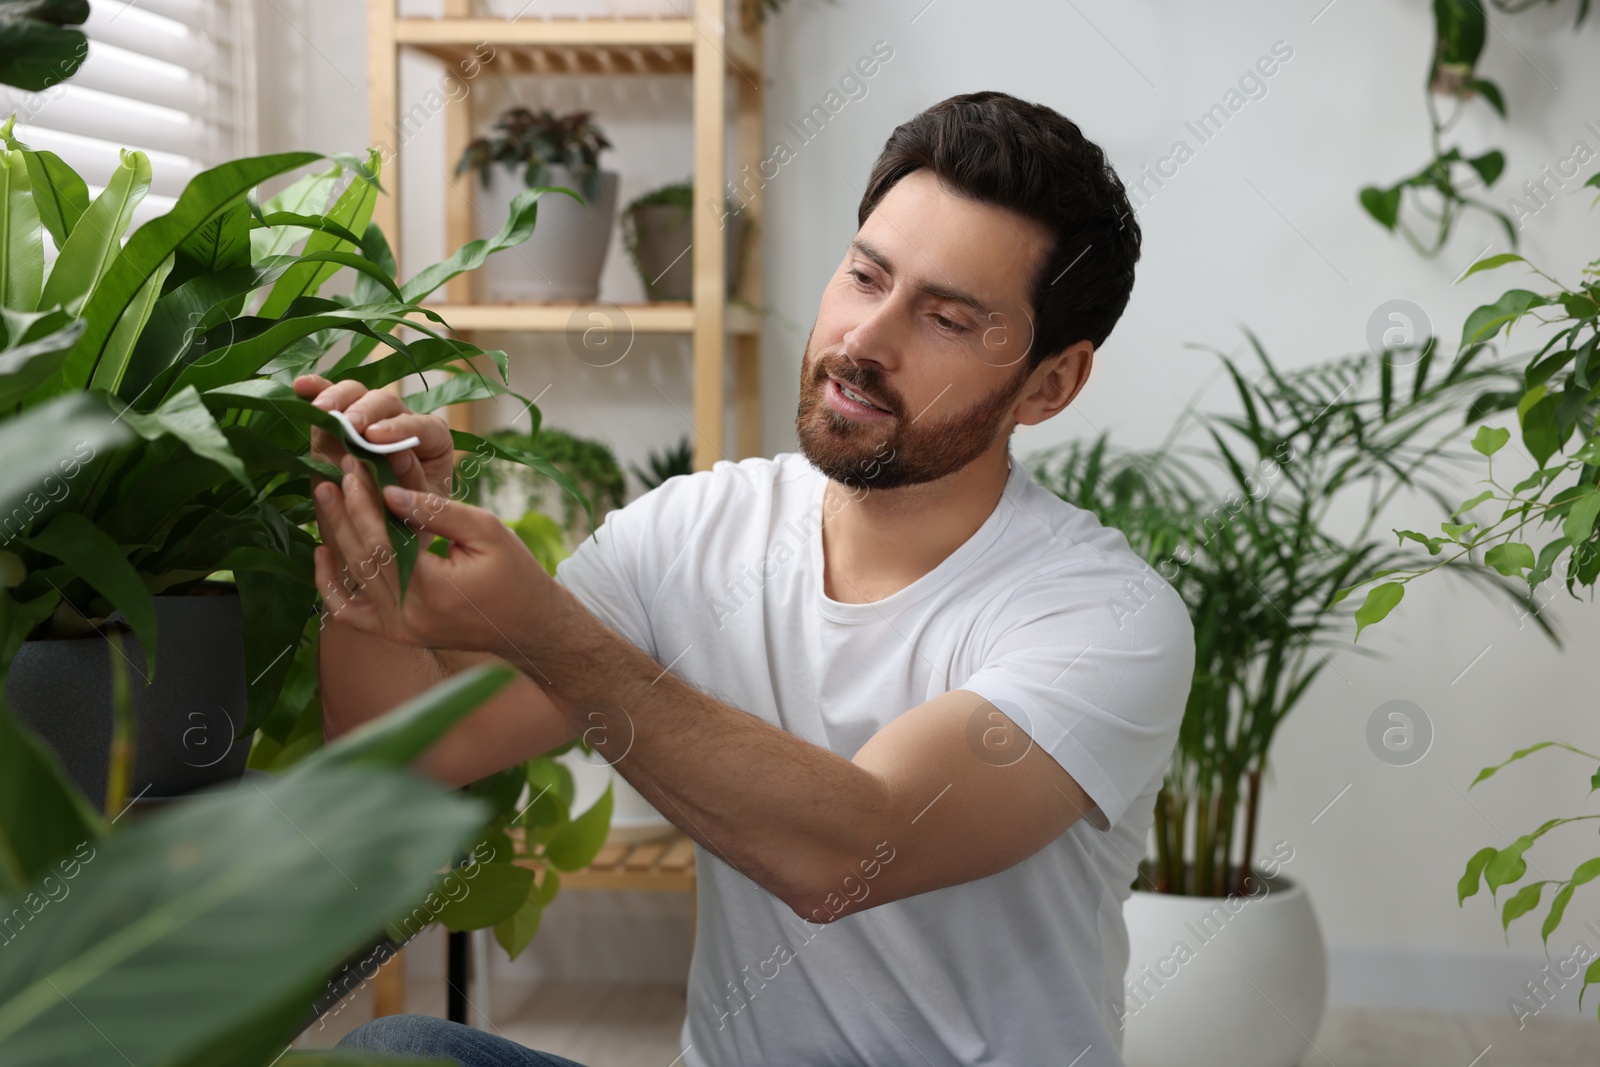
{"type": "Point", "coordinates": [704, 47]}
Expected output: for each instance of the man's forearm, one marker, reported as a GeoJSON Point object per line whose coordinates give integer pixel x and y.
{"type": "Point", "coordinates": [788, 814]}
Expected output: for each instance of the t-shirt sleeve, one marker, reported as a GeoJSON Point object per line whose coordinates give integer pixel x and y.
{"type": "Point", "coordinates": [1096, 669]}
{"type": "Point", "coordinates": [617, 572]}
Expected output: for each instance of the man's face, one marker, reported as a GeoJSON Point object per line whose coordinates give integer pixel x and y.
{"type": "Point", "coordinates": [928, 317]}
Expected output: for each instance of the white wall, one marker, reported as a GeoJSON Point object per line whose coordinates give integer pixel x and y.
{"type": "Point", "coordinates": [1259, 228]}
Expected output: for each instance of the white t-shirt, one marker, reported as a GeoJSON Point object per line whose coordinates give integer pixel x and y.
{"type": "Point", "coordinates": [1044, 612]}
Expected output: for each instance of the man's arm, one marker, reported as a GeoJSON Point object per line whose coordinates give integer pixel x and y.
{"type": "Point", "coordinates": [362, 676]}
{"type": "Point", "coordinates": [948, 792]}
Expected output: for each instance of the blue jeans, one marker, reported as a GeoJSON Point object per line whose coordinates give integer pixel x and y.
{"type": "Point", "coordinates": [424, 1035]}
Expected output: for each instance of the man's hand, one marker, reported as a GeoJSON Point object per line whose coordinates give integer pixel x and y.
{"type": "Point", "coordinates": [382, 417]}
{"type": "Point", "coordinates": [488, 595]}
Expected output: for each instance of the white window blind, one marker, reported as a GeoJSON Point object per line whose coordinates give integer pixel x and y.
{"type": "Point", "coordinates": [172, 78]}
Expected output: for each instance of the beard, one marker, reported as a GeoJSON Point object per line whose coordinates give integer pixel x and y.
{"type": "Point", "coordinates": [887, 453]}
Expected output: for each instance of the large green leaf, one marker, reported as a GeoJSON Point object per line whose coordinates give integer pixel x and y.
{"type": "Point", "coordinates": [92, 555]}
{"type": "Point", "coordinates": [277, 608]}
{"type": "Point", "coordinates": [43, 818]}
{"type": "Point", "coordinates": [353, 210]}
{"type": "Point", "coordinates": [21, 236]}
{"type": "Point", "coordinates": [119, 348]}
{"type": "Point", "coordinates": [38, 49]}
{"type": "Point", "coordinates": [54, 439]}
{"type": "Point", "coordinates": [576, 844]}
{"type": "Point", "coordinates": [25, 367]}
{"type": "Point", "coordinates": [207, 195]}
{"type": "Point", "coordinates": [97, 239]}
{"type": "Point", "coordinates": [494, 893]}
{"type": "Point", "coordinates": [307, 195]}
{"type": "Point", "coordinates": [58, 192]}
{"type": "Point", "coordinates": [191, 926]}
{"type": "Point", "coordinates": [397, 738]}
{"type": "Point", "coordinates": [186, 417]}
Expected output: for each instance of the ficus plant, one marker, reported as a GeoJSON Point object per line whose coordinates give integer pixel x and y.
{"type": "Point", "coordinates": [1240, 525]}
{"type": "Point", "coordinates": [1440, 193]}
{"type": "Point", "coordinates": [1541, 531]}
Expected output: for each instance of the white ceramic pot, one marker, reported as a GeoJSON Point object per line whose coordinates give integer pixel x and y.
{"type": "Point", "coordinates": [561, 262]}
{"type": "Point", "coordinates": [1238, 981]}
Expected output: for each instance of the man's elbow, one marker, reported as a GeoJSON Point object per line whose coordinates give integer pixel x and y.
{"type": "Point", "coordinates": [859, 885]}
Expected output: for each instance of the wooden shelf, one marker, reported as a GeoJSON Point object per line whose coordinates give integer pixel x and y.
{"type": "Point", "coordinates": [573, 46]}
{"type": "Point", "coordinates": [664, 317]}
{"type": "Point", "coordinates": [723, 59]}
{"type": "Point", "coordinates": [665, 866]}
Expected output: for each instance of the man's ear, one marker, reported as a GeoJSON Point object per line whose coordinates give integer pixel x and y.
{"type": "Point", "coordinates": [1054, 383]}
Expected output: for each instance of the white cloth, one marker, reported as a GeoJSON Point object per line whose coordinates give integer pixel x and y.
{"type": "Point", "coordinates": [1044, 612]}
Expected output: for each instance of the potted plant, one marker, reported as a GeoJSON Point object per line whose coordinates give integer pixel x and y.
{"type": "Point", "coordinates": [658, 232]}
{"type": "Point", "coordinates": [189, 334]}
{"type": "Point", "coordinates": [665, 464]}
{"type": "Point", "coordinates": [1261, 574]}
{"type": "Point", "coordinates": [1557, 408]}
{"type": "Point", "coordinates": [562, 261]}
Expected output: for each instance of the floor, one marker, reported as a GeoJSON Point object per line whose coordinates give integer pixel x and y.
{"type": "Point", "coordinates": [620, 1025]}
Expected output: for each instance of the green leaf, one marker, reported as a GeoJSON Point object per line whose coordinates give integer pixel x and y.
{"type": "Point", "coordinates": [25, 367]}
{"type": "Point", "coordinates": [1520, 903]}
{"type": "Point", "coordinates": [398, 737]}
{"type": "Point", "coordinates": [1520, 753]}
{"type": "Point", "coordinates": [1468, 885]}
{"type": "Point", "coordinates": [58, 192]}
{"type": "Point", "coordinates": [517, 932]}
{"type": "Point", "coordinates": [1489, 166]}
{"type": "Point", "coordinates": [492, 895]}
{"type": "Point", "coordinates": [1486, 321]}
{"type": "Point", "coordinates": [575, 846]}
{"type": "Point", "coordinates": [37, 49]}
{"type": "Point", "coordinates": [93, 556]}
{"type": "Point", "coordinates": [458, 389]}
{"type": "Point", "coordinates": [57, 438]}
{"type": "Point", "coordinates": [1591, 976]}
{"type": "Point", "coordinates": [277, 609]}
{"type": "Point", "coordinates": [1491, 93]}
{"type": "Point", "coordinates": [208, 194]}
{"type": "Point", "coordinates": [1490, 439]}
{"type": "Point", "coordinates": [185, 417]}
{"type": "Point", "coordinates": [125, 336]}
{"type": "Point", "coordinates": [1490, 263]}
{"type": "Point", "coordinates": [1558, 908]}
{"type": "Point", "coordinates": [43, 817]}
{"type": "Point", "coordinates": [221, 243]}
{"type": "Point", "coordinates": [192, 927]}
{"type": "Point", "coordinates": [1468, 505]}
{"type": "Point", "coordinates": [1589, 453]}
{"type": "Point", "coordinates": [1382, 204]}
{"type": "Point", "coordinates": [21, 236]}
{"type": "Point", "coordinates": [1579, 522]}
{"type": "Point", "coordinates": [1380, 601]}
{"type": "Point", "coordinates": [352, 211]}
{"type": "Point", "coordinates": [1510, 558]}
{"type": "Point", "coordinates": [1508, 864]}
{"type": "Point", "coordinates": [97, 239]}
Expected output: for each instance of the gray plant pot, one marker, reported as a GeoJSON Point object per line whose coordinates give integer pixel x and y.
{"type": "Point", "coordinates": [186, 719]}
{"type": "Point", "coordinates": [662, 234]}
{"type": "Point", "coordinates": [562, 260]}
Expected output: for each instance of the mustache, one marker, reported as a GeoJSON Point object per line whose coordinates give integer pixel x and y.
{"type": "Point", "coordinates": [867, 385]}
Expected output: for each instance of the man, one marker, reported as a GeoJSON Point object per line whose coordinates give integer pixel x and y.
{"type": "Point", "coordinates": [890, 685]}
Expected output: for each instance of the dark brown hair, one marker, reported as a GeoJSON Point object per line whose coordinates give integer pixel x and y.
{"type": "Point", "coordinates": [996, 149]}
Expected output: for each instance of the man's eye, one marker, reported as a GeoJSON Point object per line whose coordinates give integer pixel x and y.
{"type": "Point", "coordinates": [949, 325]}
{"type": "Point", "coordinates": [860, 277]}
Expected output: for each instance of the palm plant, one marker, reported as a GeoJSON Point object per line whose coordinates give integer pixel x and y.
{"type": "Point", "coordinates": [1243, 528]}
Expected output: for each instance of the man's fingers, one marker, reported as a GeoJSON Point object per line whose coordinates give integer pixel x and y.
{"type": "Point", "coordinates": [356, 531]}
{"type": "Point", "coordinates": [340, 395]}
{"type": "Point", "coordinates": [307, 386]}
{"type": "Point", "coordinates": [460, 524]}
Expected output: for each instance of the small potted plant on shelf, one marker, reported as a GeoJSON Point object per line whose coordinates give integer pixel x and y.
{"type": "Point", "coordinates": [658, 232]}
{"type": "Point", "coordinates": [1260, 570]}
{"type": "Point", "coordinates": [562, 261]}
